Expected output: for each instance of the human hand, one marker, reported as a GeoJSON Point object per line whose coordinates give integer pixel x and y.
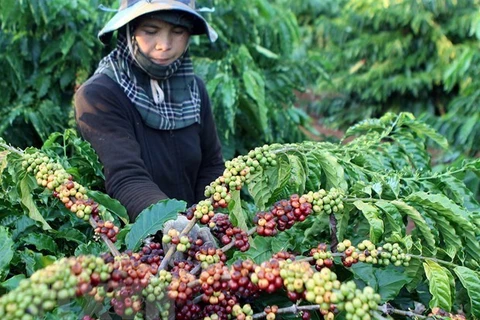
{"type": "Point", "coordinates": [195, 233]}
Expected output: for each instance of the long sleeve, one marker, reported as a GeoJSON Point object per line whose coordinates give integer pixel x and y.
{"type": "Point", "coordinates": [143, 165]}
{"type": "Point", "coordinates": [105, 119]}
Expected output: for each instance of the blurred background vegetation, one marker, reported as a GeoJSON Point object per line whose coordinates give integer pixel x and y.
{"type": "Point", "coordinates": [281, 71]}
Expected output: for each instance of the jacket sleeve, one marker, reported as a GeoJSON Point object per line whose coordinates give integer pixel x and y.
{"type": "Point", "coordinates": [212, 165]}
{"type": "Point", "coordinates": [104, 118]}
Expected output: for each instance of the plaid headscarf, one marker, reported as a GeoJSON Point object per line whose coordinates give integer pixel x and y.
{"type": "Point", "coordinates": [167, 98]}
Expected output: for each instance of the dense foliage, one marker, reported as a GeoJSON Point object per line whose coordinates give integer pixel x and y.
{"type": "Point", "coordinates": [52, 47]}
{"type": "Point", "coordinates": [368, 209]}
{"type": "Point", "coordinates": [418, 56]}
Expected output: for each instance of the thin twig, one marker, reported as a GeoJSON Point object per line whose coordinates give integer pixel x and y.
{"type": "Point", "coordinates": [388, 309]}
{"type": "Point", "coordinates": [333, 226]}
{"type": "Point", "coordinates": [172, 249]}
{"type": "Point", "coordinates": [232, 243]}
{"type": "Point", "coordinates": [105, 239]}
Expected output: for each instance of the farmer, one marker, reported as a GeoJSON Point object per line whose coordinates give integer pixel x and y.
{"type": "Point", "coordinates": [145, 112]}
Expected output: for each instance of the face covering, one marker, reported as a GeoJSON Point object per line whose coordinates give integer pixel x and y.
{"type": "Point", "coordinates": [167, 97]}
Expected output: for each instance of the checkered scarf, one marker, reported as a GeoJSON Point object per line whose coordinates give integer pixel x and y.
{"type": "Point", "coordinates": [167, 99]}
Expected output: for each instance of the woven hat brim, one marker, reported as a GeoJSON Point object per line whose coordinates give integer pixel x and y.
{"type": "Point", "coordinates": [124, 16]}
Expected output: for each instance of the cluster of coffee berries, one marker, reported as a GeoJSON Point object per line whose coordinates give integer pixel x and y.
{"type": "Point", "coordinates": [270, 312]}
{"type": "Point", "coordinates": [219, 194]}
{"type": "Point", "coordinates": [244, 312]}
{"type": "Point", "coordinates": [282, 215]}
{"type": "Point", "coordinates": [240, 281]}
{"type": "Point", "coordinates": [90, 271]}
{"type": "Point", "coordinates": [179, 289]}
{"type": "Point", "coordinates": [213, 284]}
{"type": "Point", "coordinates": [319, 289]}
{"type": "Point", "coordinates": [188, 311]}
{"type": "Point", "coordinates": [294, 275]}
{"type": "Point", "coordinates": [173, 236]}
{"type": "Point", "coordinates": [108, 228]}
{"type": "Point", "coordinates": [438, 312]}
{"type": "Point", "coordinates": [129, 278]}
{"type": "Point", "coordinates": [322, 257]}
{"type": "Point", "coordinates": [223, 229]}
{"type": "Point", "coordinates": [221, 311]}
{"type": "Point", "coordinates": [208, 254]}
{"type": "Point", "coordinates": [267, 276]}
{"type": "Point", "coordinates": [202, 211]}
{"type": "Point", "coordinates": [367, 252]}
{"type": "Point", "coordinates": [52, 175]}
{"type": "Point", "coordinates": [42, 292]}
{"type": "Point", "coordinates": [155, 294]}
{"type": "Point", "coordinates": [237, 172]}
{"type": "Point", "coordinates": [327, 202]}
{"type": "Point", "coordinates": [357, 303]}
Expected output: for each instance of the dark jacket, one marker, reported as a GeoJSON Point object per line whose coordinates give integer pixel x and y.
{"type": "Point", "coordinates": [144, 165]}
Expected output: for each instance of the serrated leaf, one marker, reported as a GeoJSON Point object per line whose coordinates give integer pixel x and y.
{"type": "Point", "coordinates": [453, 213]}
{"type": "Point", "coordinates": [471, 282]}
{"type": "Point", "coordinates": [26, 190]}
{"type": "Point", "coordinates": [255, 88]}
{"type": "Point", "coordinates": [439, 285]}
{"type": "Point", "coordinates": [260, 249]}
{"type": "Point", "coordinates": [393, 221]}
{"type": "Point", "coordinates": [150, 220]}
{"type": "Point", "coordinates": [35, 261]}
{"type": "Point", "coordinates": [390, 282]}
{"type": "Point", "coordinates": [237, 210]}
{"type": "Point", "coordinates": [419, 221]}
{"type": "Point", "coordinates": [13, 282]}
{"type": "Point", "coordinates": [41, 242]}
{"type": "Point", "coordinates": [371, 214]}
{"type": "Point", "coordinates": [332, 169]}
{"type": "Point", "coordinates": [267, 53]}
{"type": "Point", "coordinates": [91, 248]}
{"type": "Point", "coordinates": [278, 177]}
{"type": "Point", "coordinates": [71, 235]}
{"type": "Point", "coordinates": [259, 189]}
{"type": "Point", "coordinates": [415, 270]}
{"type": "Point", "coordinates": [450, 238]}
{"type": "Point", "coordinates": [6, 251]}
{"type": "Point", "coordinates": [425, 131]}
{"type": "Point", "coordinates": [297, 175]}
{"type": "Point", "coordinates": [112, 205]}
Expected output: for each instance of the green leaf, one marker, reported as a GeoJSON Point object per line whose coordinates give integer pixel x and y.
{"type": "Point", "coordinates": [35, 260]}
{"type": "Point", "coordinates": [417, 218]}
{"type": "Point", "coordinates": [110, 204]}
{"type": "Point", "coordinates": [71, 234]}
{"type": "Point", "coordinates": [425, 131]}
{"type": "Point", "coordinates": [279, 177]}
{"type": "Point", "coordinates": [371, 214]}
{"type": "Point", "coordinates": [13, 282]}
{"type": "Point", "coordinates": [259, 189]}
{"type": "Point", "coordinates": [150, 220]}
{"type": "Point", "coordinates": [471, 281]}
{"type": "Point", "coordinates": [237, 210]}
{"type": "Point", "coordinates": [267, 53]}
{"type": "Point", "coordinates": [439, 285]}
{"type": "Point", "coordinates": [6, 251]}
{"type": "Point", "coordinates": [260, 249]}
{"type": "Point", "coordinates": [440, 204]}
{"type": "Point", "coordinates": [255, 88]}
{"type": "Point", "coordinates": [91, 248]}
{"type": "Point", "coordinates": [332, 170]}
{"type": "Point", "coordinates": [26, 191]}
{"type": "Point", "coordinates": [393, 221]}
{"type": "Point", "coordinates": [41, 242]}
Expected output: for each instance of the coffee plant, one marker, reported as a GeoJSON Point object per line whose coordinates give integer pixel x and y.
{"type": "Point", "coordinates": [362, 229]}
